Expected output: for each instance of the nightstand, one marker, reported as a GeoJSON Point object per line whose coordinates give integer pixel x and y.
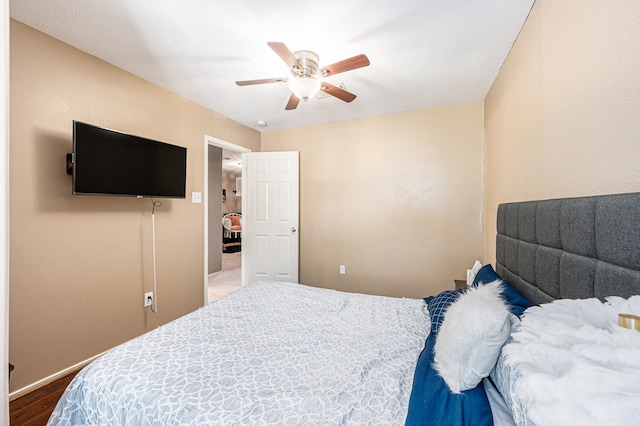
{"type": "Point", "coordinates": [460, 284]}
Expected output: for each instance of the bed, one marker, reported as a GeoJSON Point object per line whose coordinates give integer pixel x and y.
{"type": "Point", "coordinates": [286, 353]}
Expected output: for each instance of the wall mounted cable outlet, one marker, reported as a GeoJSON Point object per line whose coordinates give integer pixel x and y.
{"type": "Point", "coordinates": [148, 299]}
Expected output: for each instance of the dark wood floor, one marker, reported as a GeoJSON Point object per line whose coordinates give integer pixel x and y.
{"type": "Point", "coordinates": [34, 408]}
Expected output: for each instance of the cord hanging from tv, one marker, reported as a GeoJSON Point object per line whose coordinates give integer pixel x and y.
{"type": "Point", "coordinates": [109, 162]}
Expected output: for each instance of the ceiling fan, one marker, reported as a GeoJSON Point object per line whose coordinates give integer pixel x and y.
{"type": "Point", "coordinates": [306, 74]}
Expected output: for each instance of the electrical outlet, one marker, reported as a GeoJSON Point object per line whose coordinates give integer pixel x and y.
{"type": "Point", "coordinates": [343, 270]}
{"type": "Point", "coordinates": [148, 299]}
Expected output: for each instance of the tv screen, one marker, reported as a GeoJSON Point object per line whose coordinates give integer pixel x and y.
{"type": "Point", "coordinates": [108, 162]}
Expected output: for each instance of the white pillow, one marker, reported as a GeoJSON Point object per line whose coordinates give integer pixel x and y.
{"type": "Point", "coordinates": [576, 365]}
{"type": "Point", "coordinates": [475, 328]}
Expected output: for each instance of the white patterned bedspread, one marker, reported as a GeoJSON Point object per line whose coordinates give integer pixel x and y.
{"type": "Point", "coordinates": [269, 353]}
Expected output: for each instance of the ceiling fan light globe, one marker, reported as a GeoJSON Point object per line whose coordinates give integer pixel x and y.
{"type": "Point", "coordinates": [304, 87]}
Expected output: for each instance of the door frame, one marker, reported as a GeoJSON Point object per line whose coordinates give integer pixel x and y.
{"type": "Point", "coordinates": [211, 141]}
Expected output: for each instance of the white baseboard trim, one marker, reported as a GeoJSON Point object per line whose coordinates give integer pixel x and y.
{"type": "Point", "coordinates": [43, 382]}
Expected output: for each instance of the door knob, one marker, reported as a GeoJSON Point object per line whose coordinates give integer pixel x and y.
{"type": "Point", "coordinates": [293, 229]}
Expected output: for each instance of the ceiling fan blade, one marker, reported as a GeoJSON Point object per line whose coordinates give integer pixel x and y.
{"type": "Point", "coordinates": [283, 51]}
{"type": "Point", "coordinates": [293, 102]}
{"type": "Point", "coordinates": [358, 61]}
{"type": "Point", "coordinates": [261, 81]}
{"type": "Point", "coordinates": [337, 92]}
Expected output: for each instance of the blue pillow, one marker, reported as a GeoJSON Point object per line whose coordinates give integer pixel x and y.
{"type": "Point", "coordinates": [517, 302]}
{"type": "Point", "coordinates": [485, 275]}
{"type": "Point", "coordinates": [438, 306]}
{"type": "Point", "coordinates": [431, 401]}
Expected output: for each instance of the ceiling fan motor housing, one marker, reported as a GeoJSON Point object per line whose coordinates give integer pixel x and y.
{"type": "Point", "coordinates": [307, 65]}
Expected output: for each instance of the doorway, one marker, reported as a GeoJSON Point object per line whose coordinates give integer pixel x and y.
{"type": "Point", "coordinates": [216, 167]}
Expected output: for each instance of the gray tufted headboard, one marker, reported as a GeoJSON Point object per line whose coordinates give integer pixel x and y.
{"type": "Point", "coordinates": [571, 248]}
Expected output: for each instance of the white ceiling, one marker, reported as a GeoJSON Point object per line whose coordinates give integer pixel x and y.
{"type": "Point", "coordinates": [423, 53]}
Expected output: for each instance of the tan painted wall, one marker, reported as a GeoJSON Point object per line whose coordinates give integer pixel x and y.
{"type": "Point", "coordinates": [396, 199]}
{"type": "Point", "coordinates": [214, 154]}
{"type": "Point", "coordinates": [563, 117]}
{"type": "Point", "coordinates": [4, 214]}
{"type": "Point", "coordinates": [80, 264]}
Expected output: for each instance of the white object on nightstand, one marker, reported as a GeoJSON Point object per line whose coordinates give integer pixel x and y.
{"type": "Point", "coordinates": [470, 277]}
{"type": "Point", "coordinates": [471, 273]}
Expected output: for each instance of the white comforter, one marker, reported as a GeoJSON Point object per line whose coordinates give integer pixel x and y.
{"type": "Point", "coordinates": [270, 353]}
{"type": "Point", "coordinates": [575, 365]}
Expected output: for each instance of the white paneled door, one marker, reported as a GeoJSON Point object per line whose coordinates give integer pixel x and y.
{"type": "Point", "coordinates": [270, 216]}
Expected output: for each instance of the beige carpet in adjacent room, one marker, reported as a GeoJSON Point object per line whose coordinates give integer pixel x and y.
{"type": "Point", "coordinates": [228, 280]}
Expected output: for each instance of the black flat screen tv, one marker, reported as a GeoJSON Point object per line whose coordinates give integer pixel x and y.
{"type": "Point", "coordinates": [108, 162]}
